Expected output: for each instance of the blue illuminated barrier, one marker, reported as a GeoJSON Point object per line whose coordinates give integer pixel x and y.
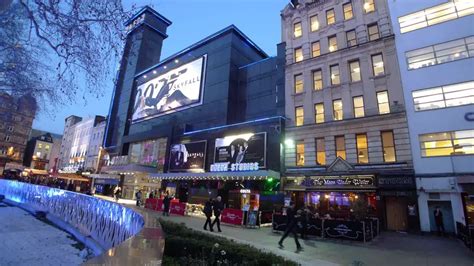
{"type": "Point", "coordinates": [117, 230]}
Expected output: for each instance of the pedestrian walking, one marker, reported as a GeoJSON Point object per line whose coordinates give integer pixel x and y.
{"type": "Point", "coordinates": [138, 196]}
{"type": "Point", "coordinates": [208, 212]}
{"type": "Point", "coordinates": [291, 226]}
{"type": "Point", "coordinates": [166, 204]}
{"type": "Point", "coordinates": [217, 208]}
{"type": "Point", "coordinates": [438, 215]}
{"type": "Point", "coordinates": [117, 191]}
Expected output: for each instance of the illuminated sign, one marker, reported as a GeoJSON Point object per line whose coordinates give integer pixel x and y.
{"type": "Point", "coordinates": [187, 156]}
{"type": "Point", "coordinates": [175, 90]}
{"type": "Point", "coordinates": [245, 152]}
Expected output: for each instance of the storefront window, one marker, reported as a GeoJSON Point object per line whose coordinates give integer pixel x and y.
{"type": "Point", "coordinates": [149, 153]}
{"type": "Point", "coordinates": [469, 209]}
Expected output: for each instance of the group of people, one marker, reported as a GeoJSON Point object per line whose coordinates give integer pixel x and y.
{"type": "Point", "coordinates": [53, 182]}
{"type": "Point", "coordinates": [213, 206]}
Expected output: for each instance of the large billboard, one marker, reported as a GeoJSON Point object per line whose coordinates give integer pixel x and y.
{"type": "Point", "coordinates": [175, 90]}
{"type": "Point", "coordinates": [187, 156]}
{"type": "Point", "coordinates": [245, 152]}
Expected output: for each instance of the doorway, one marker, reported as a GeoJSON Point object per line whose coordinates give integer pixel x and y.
{"type": "Point", "coordinates": [447, 211]}
{"type": "Point", "coordinates": [396, 208]}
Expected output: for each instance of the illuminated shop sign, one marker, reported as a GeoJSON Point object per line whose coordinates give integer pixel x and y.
{"type": "Point", "coordinates": [338, 182]}
{"type": "Point", "coordinates": [245, 152]}
{"type": "Point", "coordinates": [175, 90]}
{"type": "Point", "coordinates": [187, 156]}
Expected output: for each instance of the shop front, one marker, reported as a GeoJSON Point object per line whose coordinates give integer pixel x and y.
{"type": "Point", "coordinates": [398, 199]}
{"type": "Point", "coordinates": [243, 193]}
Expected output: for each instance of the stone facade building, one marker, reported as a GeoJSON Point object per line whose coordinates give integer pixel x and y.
{"type": "Point", "coordinates": [16, 119]}
{"type": "Point", "coordinates": [81, 143]}
{"type": "Point", "coordinates": [344, 100]}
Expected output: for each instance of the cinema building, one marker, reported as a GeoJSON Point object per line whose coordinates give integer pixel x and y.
{"type": "Point", "coordinates": [347, 136]}
{"type": "Point", "coordinates": [203, 122]}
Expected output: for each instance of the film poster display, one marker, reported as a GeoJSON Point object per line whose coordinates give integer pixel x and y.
{"type": "Point", "coordinates": [187, 156]}
{"type": "Point", "coordinates": [175, 90]}
{"type": "Point", "coordinates": [245, 152]}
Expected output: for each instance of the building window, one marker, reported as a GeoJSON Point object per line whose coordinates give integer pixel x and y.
{"type": "Point", "coordinates": [441, 53]}
{"type": "Point", "coordinates": [332, 43]}
{"type": "Point", "coordinates": [444, 96]}
{"type": "Point", "coordinates": [6, 138]}
{"type": "Point", "coordinates": [347, 8]}
{"type": "Point", "coordinates": [335, 75]}
{"type": "Point", "coordinates": [300, 153]}
{"type": "Point", "coordinates": [388, 145]}
{"type": "Point", "coordinates": [369, 6]}
{"type": "Point", "coordinates": [315, 49]}
{"type": "Point", "coordinates": [298, 55]}
{"type": "Point", "coordinates": [340, 147]}
{"type": "Point", "coordinates": [40, 145]}
{"type": "Point", "coordinates": [10, 128]}
{"type": "Point", "coordinates": [330, 17]}
{"type": "Point", "coordinates": [447, 143]}
{"type": "Point", "coordinates": [437, 14]}
{"type": "Point", "coordinates": [378, 65]}
{"type": "Point", "coordinates": [297, 31]}
{"type": "Point", "coordinates": [337, 112]}
{"type": "Point", "coordinates": [317, 80]}
{"type": "Point", "coordinates": [314, 23]}
{"type": "Point", "coordinates": [354, 69]}
{"type": "Point", "coordinates": [320, 151]}
{"type": "Point", "coordinates": [319, 113]}
{"type": "Point", "coordinates": [362, 150]}
{"type": "Point", "coordinates": [373, 32]}
{"type": "Point", "coordinates": [351, 38]}
{"type": "Point", "coordinates": [383, 103]}
{"type": "Point", "coordinates": [299, 116]}
{"type": "Point", "coordinates": [299, 83]}
{"type": "Point", "coordinates": [358, 106]}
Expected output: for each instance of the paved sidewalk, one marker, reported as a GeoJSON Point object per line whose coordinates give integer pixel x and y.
{"type": "Point", "coordinates": [27, 241]}
{"type": "Point", "coordinates": [387, 249]}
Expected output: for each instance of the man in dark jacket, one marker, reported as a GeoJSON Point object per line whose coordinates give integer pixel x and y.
{"type": "Point", "coordinates": [438, 215]}
{"type": "Point", "coordinates": [166, 204]}
{"type": "Point", "coordinates": [217, 207]}
{"type": "Point", "coordinates": [292, 226]}
{"type": "Point", "coordinates": [208, 212]}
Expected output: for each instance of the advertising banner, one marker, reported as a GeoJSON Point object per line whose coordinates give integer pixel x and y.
{"type": "Point", "coordinates": [187, 156]}
{"type": "Point", "coordinates": [178, 208]}
{"type": "Point", "coordinates": [245, 152]}
{"type": "Point", "coordinates": [175, 90]}
{"type": "Point", "coordinates": [232, 216]}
